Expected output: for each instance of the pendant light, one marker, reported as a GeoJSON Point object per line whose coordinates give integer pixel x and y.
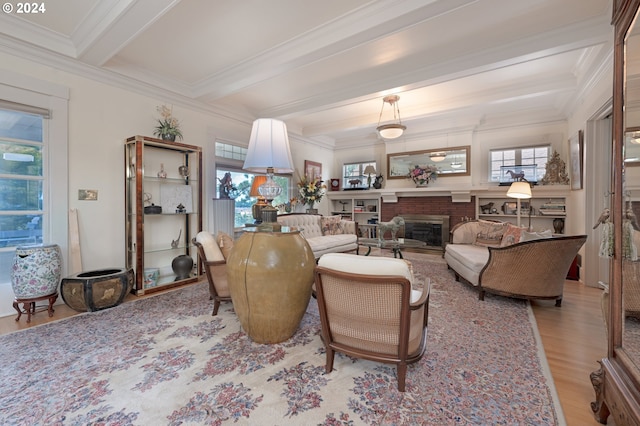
{"type": "Point", "coordinates": [393, 130]}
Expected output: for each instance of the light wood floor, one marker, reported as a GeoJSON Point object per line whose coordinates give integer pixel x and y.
{"type": "Point", "coordinates": [573, 337]}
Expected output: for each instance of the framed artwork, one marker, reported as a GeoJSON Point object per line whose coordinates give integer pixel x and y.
{"type": "Point", "coordinates": [576, 147]}
{"type": "Point", "coordinates": [312, 169]}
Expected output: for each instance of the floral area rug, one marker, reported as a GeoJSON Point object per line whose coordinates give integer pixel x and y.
{"type": "Point", "coordinates": [164, 360]}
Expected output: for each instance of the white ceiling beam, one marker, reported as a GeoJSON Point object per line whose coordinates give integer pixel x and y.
{"type": "Point", "coordinates": [18, 29]}
{"type": "Point", "coordinates": [551, 43]}
{"type": "Point", "coordinates": [360, 26]}
{"type": "Point", "coordinates": [114, 24]}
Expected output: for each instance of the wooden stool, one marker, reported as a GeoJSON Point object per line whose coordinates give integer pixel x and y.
{"type": "Point", "coordinates": [29, 305]}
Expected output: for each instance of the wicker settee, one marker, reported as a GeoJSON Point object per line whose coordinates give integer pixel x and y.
{"type": "Point", "coordinates": [325, 234]}
{"type": "Point", "coordinates": [534, 269]}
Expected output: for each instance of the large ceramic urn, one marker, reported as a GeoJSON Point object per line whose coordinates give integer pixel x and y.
{"type": "Point", "coordinates": [36, 271]}
{"type": "Point", "coordinates": [270, 275]}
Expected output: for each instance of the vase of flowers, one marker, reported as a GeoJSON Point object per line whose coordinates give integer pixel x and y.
{"type": "Point", "coordinates": [168, 127]}
{"type": "Point", "coordinates": [422, 175]}
{"type": "Point", "coordinates": [311, 191]}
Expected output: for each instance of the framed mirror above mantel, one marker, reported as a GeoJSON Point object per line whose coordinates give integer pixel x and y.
{"type": "Point", "coordinates": [449, 161]}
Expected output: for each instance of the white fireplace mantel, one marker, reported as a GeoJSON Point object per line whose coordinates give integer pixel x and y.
{"type": "Point", "coordinates": [458, 194]}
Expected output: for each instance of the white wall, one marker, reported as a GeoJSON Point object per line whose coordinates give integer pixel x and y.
{"type": "Point", "coordinates": [100, 118]}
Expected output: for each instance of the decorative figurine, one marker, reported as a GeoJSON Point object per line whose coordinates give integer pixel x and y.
{"type": "Point", "coordinates": [175, 243]}
{"type": "Point", "coordinates": [162, 174]}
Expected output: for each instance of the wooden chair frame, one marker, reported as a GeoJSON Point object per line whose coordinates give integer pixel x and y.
{"type": "Point", "coordinates": [357, 283]}
{"type": "Point", "coordinates": [209, 266]}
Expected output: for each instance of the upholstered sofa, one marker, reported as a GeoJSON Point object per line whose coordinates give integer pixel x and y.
{"type": "Point", "coordinates": [503, 259]}
{"type": "Point", "coordinates": [325, 234]}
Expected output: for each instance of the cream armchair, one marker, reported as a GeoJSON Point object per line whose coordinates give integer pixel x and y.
{"type": "Point", "coordinates": [215, 267]}
{"type": "Point", "coordinates": [369, 310]}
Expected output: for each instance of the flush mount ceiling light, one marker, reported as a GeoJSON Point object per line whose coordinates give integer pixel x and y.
{"type": "Point", "coordinates": [437, 156]}
{"type": "Point", "coordinates": [393, 130]}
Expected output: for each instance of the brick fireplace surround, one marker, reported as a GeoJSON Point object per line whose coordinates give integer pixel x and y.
{"type": "Point", "coordinates": [439, 205]}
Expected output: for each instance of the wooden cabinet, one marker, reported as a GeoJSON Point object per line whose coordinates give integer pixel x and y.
{"type": "Point", "coordinates": [617, 382]}
{"type": "Point", "coordinates": [538, 213]}
{"type": "Point", "coordinates": [362, 208]}
{"type": "Point", "coordinates": [163, 211]}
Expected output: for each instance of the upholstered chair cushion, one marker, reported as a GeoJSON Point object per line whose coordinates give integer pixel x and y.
{"type": "Point", "coordinates": [355, 264]}
{"type": "Point", "coordinates": [210, 246]}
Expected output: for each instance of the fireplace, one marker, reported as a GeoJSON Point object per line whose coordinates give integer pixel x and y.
{"type": "Point", "coordinates": [432, 229]}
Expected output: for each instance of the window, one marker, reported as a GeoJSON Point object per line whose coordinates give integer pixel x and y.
{"type": "Point", "coordinates": [353, 175]}
{"type": "Point", "coordinates": [229, 159]}
{"type": "Point", "coordinates": [537, 155]}
{"type": "Point", "coordinates": [22, 183]}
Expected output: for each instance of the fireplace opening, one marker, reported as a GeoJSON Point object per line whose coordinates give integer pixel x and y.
{"type": "Point", "coordinates": [432, 229]}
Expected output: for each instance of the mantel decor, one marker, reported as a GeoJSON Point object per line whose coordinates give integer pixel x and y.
{"type": "Point", "coordinates": [423, 175]}
{"type": "Point", "coordinates": [556, 173]}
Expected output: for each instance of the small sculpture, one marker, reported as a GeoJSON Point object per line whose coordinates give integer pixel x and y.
{"type": "Point", "coordinates": [226, 186]}
{"type": "Point", "coordinates": [162, 174]}
{"type": "Point", "coordinates": [393, 226]}
{"type": "Point", "coordinates": [515, 176]}
{"type": "Point", "coordinates": [604, 218]}
{"type": "Point", "coordinates": [486, 208]}
{"type": "Point", "coordinates": [377, 184]}
{"type": "Point", "coordinates": [355, 182]}
{"type": "Point", "coordinates": [175, 243]}
{"type": "Point", "coordinates": [180, 208]}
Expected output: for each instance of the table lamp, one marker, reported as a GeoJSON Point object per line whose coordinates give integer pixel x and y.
{"type": "Point", "coordinates": [256, 209]}
{"type": "Point", "coordinates": [269, 153]}
{"type": "Point", "coordinates": [519, 191]}
{"type": "Point", "coordinates": [369, 170]}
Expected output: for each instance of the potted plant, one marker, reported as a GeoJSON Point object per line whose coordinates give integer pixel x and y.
{"type": "Point", "coordinates": [168, 127]}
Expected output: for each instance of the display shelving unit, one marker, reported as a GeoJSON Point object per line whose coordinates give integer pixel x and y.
{"type": "Point", "coordinates": [169, 175]}
{"type": "Point", "coordinates": [544, 210]}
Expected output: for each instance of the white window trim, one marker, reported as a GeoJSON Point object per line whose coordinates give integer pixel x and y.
{"type": "Point", "coordinates": [30, 91]}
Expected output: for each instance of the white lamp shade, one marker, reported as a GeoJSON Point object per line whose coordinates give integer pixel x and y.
{"type": "Point", "coordinates": [268, 147]}
{"type": "Point", "coordinates": [369, 170]}
{"type": "Point", "coordinates": [519, 190]}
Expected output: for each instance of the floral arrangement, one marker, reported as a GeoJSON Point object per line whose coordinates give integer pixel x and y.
{"type": "Point", "coordinates": [311, 190]}
{"type": "Point", "coordinates": [422, 175]}
{"type": "Point", "coordinates": [168, 127]}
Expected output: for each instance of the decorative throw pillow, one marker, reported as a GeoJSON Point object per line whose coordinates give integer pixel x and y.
{"type": "Point", "coordinates": [492, 228]}
{"type": "Point", "coordinates": [331, 225]}
{"type": "Point", "coordinates": [225, 242]}
{"type": "Point", "coordinates": [530, 236]}
{"type": "Point", "coordinates": [511, 235]}
{"type": "Point", "coordinates": [487, 240]}
{"type": "Point", "coordinates": [490, 234]}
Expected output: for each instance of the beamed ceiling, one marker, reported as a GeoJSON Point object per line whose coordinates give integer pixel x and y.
{"type": "Point", "coordinates": [324, 66]}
